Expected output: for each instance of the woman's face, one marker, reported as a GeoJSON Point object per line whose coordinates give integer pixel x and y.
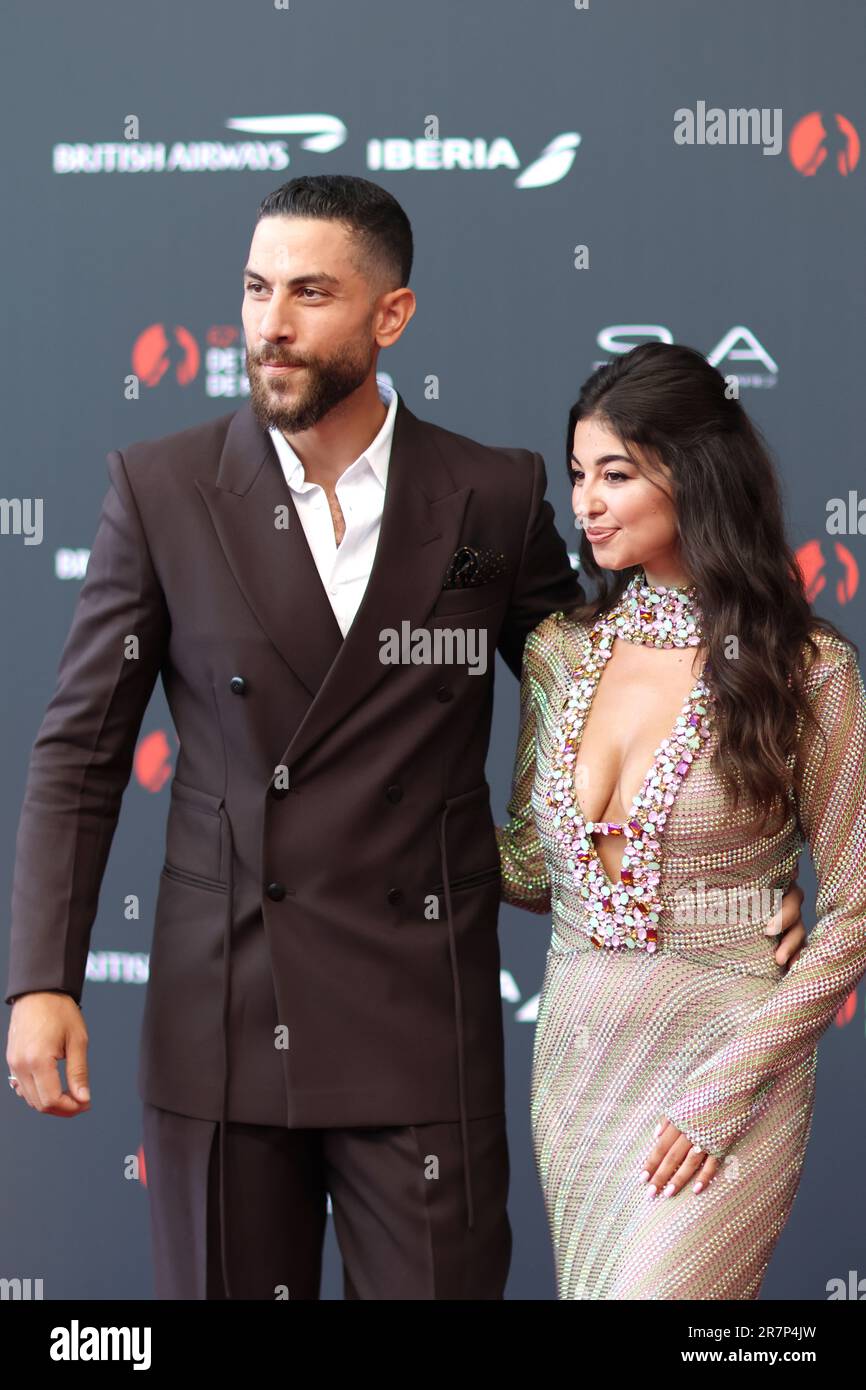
{"type": "Point", "coordinates": [628, 517]}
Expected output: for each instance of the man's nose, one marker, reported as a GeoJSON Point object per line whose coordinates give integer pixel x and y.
{"type": "Point", "coordinates": [276, 321]}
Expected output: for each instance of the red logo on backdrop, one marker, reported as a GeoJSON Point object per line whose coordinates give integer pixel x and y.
{"type": "Point", "coordinates": [157, 350]}
{"type": "Point", "coordinates": [222, 335]}
{"type": "Point", "coordinates": [152, 765]}
{"type": "Point", "coordinates": [818, 571]}
{"type": "Point", "coordinates": [142, 1166]}
{"type": "Point", "coordinates": [846, 1010]}
{"type": "Point", "coordinates": [826, 142]}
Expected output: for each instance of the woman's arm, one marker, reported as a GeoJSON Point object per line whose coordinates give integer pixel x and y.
{"type": "Point", "coordinates": [714, 1106]}
{"type": "Point", "coordinates": [525, 880]}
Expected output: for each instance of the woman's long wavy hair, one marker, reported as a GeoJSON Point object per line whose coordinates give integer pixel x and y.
{"type": "Point", "coordinates": [666, 401]}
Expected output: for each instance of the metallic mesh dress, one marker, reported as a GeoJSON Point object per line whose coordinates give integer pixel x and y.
{"type": "Point", "coordinates": [697, 1022]}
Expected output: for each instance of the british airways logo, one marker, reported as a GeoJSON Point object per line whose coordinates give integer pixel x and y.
{"type": "Point", "coordinates": [267, 145]}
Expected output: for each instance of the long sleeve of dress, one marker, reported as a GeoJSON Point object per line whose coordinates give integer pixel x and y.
{"type": "Point", "coordinates": [714, 1106]}
{"type": "Point", "coordinates": [525, 880]}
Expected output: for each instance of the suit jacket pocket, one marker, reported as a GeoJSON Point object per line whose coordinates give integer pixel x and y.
{"type": "Point", "coordinates": [475, 880]}
{"type": "Point", "coordinates": [474, 598]}
{"type": "Point", "coordinates": [194, 881]}
{"type": "Point", "coordinates": [470, 839]}
{"type": "Point", "coordinates": [193, 840]}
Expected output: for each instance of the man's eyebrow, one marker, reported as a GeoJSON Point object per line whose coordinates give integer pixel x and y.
{"type": "Point", "coordinates": [319, 277]}
{"type": "Point", "coordinates": [605, 458]}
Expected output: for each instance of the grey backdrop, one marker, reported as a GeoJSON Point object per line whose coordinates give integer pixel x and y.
{"type": "Point", "coordinates": [695, 240]}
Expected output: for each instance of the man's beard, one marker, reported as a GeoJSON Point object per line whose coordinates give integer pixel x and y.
{"type": "Point", "coordinates": [317, 387]}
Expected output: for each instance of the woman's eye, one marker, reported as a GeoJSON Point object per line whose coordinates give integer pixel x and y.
{"type": "Point", "coordinates": [576, 475]}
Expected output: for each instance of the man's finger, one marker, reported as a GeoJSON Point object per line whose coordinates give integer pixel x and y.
{"type": "Point", "coordinates": [788, 914]}
{"type": "Point", "coordinates": [790, 960]}
{"type": "Point", "coordinates": [46, 1082]}
{"type": "Point", "coordinates": [792, 941]}
{"type": "Point", "coordinates": [65, 1107]}
{"type": "Point", "coordinates": [26, 1088]}
{"type": "Point", "coordinates": [76, 1067]}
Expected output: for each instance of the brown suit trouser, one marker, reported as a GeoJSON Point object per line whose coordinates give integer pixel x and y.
{"type": "Point", "coordinates": [397, 1195]}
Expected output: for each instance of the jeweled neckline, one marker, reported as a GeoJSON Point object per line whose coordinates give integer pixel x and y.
{"type": "Point", "coordinates": [625, 913]}
{"type": "Point", "coordinates": [655, 615]}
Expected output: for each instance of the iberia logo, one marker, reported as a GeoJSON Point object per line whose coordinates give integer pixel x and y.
{"type": "Point", "coordinates": [828, 143]}
{"type": "Point", "coordinates": [818, 571]}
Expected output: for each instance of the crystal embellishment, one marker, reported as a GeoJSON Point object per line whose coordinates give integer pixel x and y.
{"type": "Point", "coordinates": [622, 915]}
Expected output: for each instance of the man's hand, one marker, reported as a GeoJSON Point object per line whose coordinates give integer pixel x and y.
{"type": "Point", "coordinates": [44, 1027]}
{"type": "Point", "coordinates": [788, 925]}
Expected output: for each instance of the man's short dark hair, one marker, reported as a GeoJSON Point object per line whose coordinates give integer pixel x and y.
{"type": "Point", "coordinates": [384, 233]}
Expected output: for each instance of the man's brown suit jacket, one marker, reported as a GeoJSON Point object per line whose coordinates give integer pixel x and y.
{"type": "Point", "coordinates": [301, 973]}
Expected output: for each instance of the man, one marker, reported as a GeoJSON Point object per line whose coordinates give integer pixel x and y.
{"type": "Point", "coordinates": [324, 987]}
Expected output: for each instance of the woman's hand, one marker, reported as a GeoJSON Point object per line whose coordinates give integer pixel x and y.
{"type": "Point", "coordinates": [674, 1160]}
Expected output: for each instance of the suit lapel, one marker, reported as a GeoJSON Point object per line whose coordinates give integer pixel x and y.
{"type": "Point", "coordinates": [275, 569]}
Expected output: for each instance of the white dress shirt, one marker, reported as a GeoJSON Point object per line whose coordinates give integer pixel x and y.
{"type": "Point", "coordinates": [344, 569]}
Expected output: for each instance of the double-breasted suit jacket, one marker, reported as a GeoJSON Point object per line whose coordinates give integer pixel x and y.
{"type": "Point", "coordinates": [324, 952]}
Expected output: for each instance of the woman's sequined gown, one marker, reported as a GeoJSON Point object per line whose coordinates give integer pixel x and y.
{"type": "Point", "coordinates": [707, 1029]}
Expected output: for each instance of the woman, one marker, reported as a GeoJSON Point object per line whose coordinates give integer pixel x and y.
{"type": "Point", "coordinates": [682, 737]}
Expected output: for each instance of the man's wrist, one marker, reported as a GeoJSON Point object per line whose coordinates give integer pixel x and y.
{"type": "Point", "coordinates": [15, 997]}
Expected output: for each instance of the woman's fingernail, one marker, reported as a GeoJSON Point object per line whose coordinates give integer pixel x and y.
{"type": "Point", "coordinates": [652, 1189]}
{"type": "Point", "coordinates": [669, 1190]}
{"type": "Point", "coordinates": [644, 1175]}
{"type": "Point", "coordinates": [658, 1129]}
{"type": "Point", "coordinates": [696, 1187]}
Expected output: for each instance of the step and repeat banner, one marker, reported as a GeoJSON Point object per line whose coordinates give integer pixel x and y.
{"type": "Point", "coordinates": [580, 178]}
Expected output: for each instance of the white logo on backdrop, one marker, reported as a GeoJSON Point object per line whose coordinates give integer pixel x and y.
{"type": "Point", "coordinates": [739, 349]}
{"type": "Point", "coordinates": [322, 134]}
{"type": "Point", "coordinates": [398, 153]}
{"type": "Point", "coordinates": [319, 133]}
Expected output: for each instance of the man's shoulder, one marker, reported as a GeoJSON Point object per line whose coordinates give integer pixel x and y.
{"type": "Point", "coordinates": [462, 449]}
{"type": "Point", "coordinates": [187, 448]}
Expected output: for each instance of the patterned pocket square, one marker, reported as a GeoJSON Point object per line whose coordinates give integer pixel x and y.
{"type": "Point", "coordinates": [473, 565]}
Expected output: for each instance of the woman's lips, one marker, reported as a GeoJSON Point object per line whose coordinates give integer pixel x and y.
{"type": "Point", "coordinates": [597, 537]}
